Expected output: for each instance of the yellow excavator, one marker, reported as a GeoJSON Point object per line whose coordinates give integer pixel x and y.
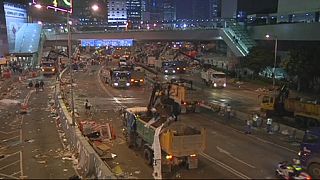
{"type": "Point", "coordinates": [306, 113]}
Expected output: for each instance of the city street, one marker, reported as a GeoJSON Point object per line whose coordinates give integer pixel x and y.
{"type": "Point", "coordinates": [229, 152]}
{"type": "Point", "coordinates": [30, 145]}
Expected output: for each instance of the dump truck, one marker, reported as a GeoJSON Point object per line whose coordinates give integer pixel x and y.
{"type": "Point", "coordinates": [179, 143]}
{"type": "Point", "coordinates": [137, 77]}
{"type": "Point", "coordinates": [214, 78]}
{"type": "Point", "coordinates": [306, 114]}
{"type": "Point", "coordinates": [183, 92]}
{"type": "Point", "coordinates": [49, 67]}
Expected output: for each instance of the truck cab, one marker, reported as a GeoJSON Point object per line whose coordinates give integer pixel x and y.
{"type": "Point", "coordinates": [118, 78]}
{"type": "Point", "coordinates": [310, 152]}
{"type": "Point", "coordinates": [49, 68]}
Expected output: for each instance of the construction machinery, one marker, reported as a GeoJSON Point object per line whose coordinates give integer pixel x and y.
{"type": "Point", "coordinates": [177, 143]}
{"type": "Point", "coordinates": [183, 93]}
{"type": "Point", "coordinates": [214, 78]}
{"type": "Point", "coordinates": [306, 113]}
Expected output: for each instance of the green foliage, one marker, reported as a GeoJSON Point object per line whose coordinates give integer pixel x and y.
{"type": "Point", "coordinates": [303, 63]}
{"type": "Point", "coordinates": [258, 59]}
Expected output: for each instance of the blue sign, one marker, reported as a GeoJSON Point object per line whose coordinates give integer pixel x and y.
{"type": "Point", "coordinates": [107, 42]}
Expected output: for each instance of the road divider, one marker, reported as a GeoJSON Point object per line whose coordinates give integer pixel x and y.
{"type": "Point", "coordinates": [90, 165]}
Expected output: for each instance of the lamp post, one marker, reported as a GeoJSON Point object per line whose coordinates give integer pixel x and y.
{"type": "Point", "coordinates": [275, 59]}
{"type": "Point", "coordinates": [70, 67]}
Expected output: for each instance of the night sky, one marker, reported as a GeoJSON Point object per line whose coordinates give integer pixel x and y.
{"type": "Point", "coordinates": [184, 10]}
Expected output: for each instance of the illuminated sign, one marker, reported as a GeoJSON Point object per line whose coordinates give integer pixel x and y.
{"type": "Point", "coordinates": [57, 5]}
{"type": "Point", "coordinates": [106, 42]}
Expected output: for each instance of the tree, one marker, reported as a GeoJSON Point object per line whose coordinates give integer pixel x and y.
{"type": "Point", "coordinates": [303, 64]}
{"type": "Point", "coordinates": [258, 59]}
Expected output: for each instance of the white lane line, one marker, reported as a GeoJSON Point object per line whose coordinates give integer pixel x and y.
{"type": "Point", "coordinates": [224, 166]}
{"type": "Point", "coordinates": [3, 167]}
{"type": "Point", "coordinates": [9, 155]}
{"type": "Point", "coordinates": [106, 90]}
{"type": "Point", "coordinates": [2, 132]}
{"type": "Point", "coordinates": [15, 173]}
{"type": "Point", "coordinates": [263, 140]}
{"type": "Point", "coordinates": [21, 164]}
{"type": "Point", "coordinates": [5, 140]}
{"type": "Point", "coordinates": [233, 157]}
{"type": "Point", "coordinates": [8, 176]}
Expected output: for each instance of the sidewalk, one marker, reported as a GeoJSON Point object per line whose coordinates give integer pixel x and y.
{"type": "Point", "coordinates": [30, 143]}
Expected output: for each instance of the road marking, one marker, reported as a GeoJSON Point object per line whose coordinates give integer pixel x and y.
{"type": "Point", "coordinates": [5, 140]}
{"type": "Point", "coordinates": [21, 164]}
{"type": "Point", "coordinates": [224, 166]}
{"type": "Point", "coordinates": [3, 167]}
{"type": "Point", "coordinates": [15, 173]}
{"type": "Point", "coordinates": [2, 132]}
{"type": "Point", "coordinates": [233, 157]}
{"type": "Point", "coordinates": [8, 176]}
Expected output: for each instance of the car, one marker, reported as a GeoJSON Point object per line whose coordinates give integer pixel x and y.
{"type": "Point", "coordinates": [169, 70]}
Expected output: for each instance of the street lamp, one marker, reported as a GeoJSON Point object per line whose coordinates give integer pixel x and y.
{"type": "Point", "coordinates": [95, 7]}
{"type": "Point", "coordinates": [275, 58]}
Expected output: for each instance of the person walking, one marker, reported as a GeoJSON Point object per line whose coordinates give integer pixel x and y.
{"type": "Point", "coordinates": [269, 125]}
{"type": "Point", "coordinates": [41, 85]}
{"type": "Point", "coordinates": [228, 111]}
{"type": "Point", "coordinates": [87, 106]}
{"type": "Point", "coordinates": [249, 126]}
{"type": "Point", "coordinates": [37, 85]}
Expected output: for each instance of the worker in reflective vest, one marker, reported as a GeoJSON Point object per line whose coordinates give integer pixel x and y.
{"type": "Point", "coordinates": [269, 125]}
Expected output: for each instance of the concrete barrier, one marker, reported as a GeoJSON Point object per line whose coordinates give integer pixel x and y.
{"type": "Point", "coordinates": [90, 165]}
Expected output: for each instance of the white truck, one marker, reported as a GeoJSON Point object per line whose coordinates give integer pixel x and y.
{"type": "Point", "coordinates": [151, 61]}
{"type": "Point", "coordinates": [214, 78]}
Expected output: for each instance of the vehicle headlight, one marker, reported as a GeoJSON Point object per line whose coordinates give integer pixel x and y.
{"type": "Point", "coordinates": [299, 153]}
{"type": "Point", "coordinates": [215, 84]}
{"type": "Point", "coordinates": [127, 84]}
{"type": "Point", "coordinates": [141, 80]}
{"type": "Point", "coordinates": [42, 69]}
{"type": "Point", "coordinates": [174, 71]}
{"type": "Point", "coordinates": [53, 70]}
{"type": "Point", "coordinates": [184, 68]}
{"type": "Point", "coordinates": [116, 84]}
{"type": "Point", "coordinates": [166, 71]}
{"type": "Point", "coordinates": [132, 80]}
{"type": "Point", "coordinates": [224, 85]}
{"type": "Point", "coordinates": [178, 68]}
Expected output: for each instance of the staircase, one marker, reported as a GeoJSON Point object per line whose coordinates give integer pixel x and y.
{"type": "Point", "coordinates": [238, 39]}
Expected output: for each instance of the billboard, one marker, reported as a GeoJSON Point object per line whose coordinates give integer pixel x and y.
{"type": "Point", "coordinates": [16, 17]}
{"type": "Point", "coordinates": [107, 42]}
{"type": "Point", "coordinates": [57, 5]}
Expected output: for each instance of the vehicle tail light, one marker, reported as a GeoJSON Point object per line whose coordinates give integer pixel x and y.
{"type": "Point", "coordinates": [169, 157]}
{"type": "Point", "coordinates": [193, 155]}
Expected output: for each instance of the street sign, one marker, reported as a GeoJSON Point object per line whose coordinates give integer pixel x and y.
{"type": "Point", "coordinates": [57, 5]}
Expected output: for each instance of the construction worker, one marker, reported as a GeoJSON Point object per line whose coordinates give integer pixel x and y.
{"type": "Point", "coordinates": [41, 85]}
{"type": "Point", "coordinates": [228, 111]}
{"type": "Point", "coordinates": [87, 106]}
{"type": "Point", "coordinates": [269, 125]}
{"type": "Point", "coordinates": [249, 126]}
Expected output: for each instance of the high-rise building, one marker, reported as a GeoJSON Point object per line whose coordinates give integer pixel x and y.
{"type": "Point", "coordinates": [200, 9]}
{"type": "Point", "coordinates": [214, 8]}
{"type": "Point", "coordinates": [3, 32]}
{"type": "Point", "coordinates": [169, 10]}
{"type": "Point", "coordinates": [134, 11]}
{"type": "Point", "coordinates": [117, 12]}
{"type": "Point", "coordinates": [152, 10]}
{"type": "Point", "coordinates": [84, 12]}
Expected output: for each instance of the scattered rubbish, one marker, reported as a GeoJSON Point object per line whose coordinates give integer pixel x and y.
{"type": "Point", "coordinates": [29, 140]}
{"type": "Point", "coordinates": [178, 175]}
{"type": "Point", "coordinates": [65, 170]}
{"type": "Point", "coordinates": [113, 155]}
{"type": "Point", "coordinates": [137, 172]}
{"type": "Point", "coordinates": [42, 162]}
{"type": "Point", "coordinates": [74, 177]}
{"type": "Point", "coordinates": [117, 170]}
{"type": "Point", "coordinates": [64, 140]}
{"type": "Point", "coordinates": [2, 156]}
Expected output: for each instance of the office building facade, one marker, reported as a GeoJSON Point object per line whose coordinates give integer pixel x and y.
{"type": "Point", "coordinates": [117, 13]}
{"type": "Point", "coordinates": [134, 11]}
{"type": "Point", "coordinates": [169, 10]}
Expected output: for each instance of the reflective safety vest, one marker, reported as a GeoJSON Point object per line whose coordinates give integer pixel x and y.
{"type": "Point", "coordinates": [269, 121]}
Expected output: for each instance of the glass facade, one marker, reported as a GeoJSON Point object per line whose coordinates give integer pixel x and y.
{"type": "Point", "coordinates": [169, 10]}
{"type": "Point", "coordinates": [134, 11]}
{"type": "Point", "coordinates": [117, 12]}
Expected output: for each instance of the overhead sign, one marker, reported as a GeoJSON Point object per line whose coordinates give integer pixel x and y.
{"type": "Point", "coordinates": [58, 5]}
{"type": "Point", "coordinates": [106, 42]}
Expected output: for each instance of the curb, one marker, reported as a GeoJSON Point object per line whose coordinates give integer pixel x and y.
{"type": "Point", "coordinates": [90, 164]}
